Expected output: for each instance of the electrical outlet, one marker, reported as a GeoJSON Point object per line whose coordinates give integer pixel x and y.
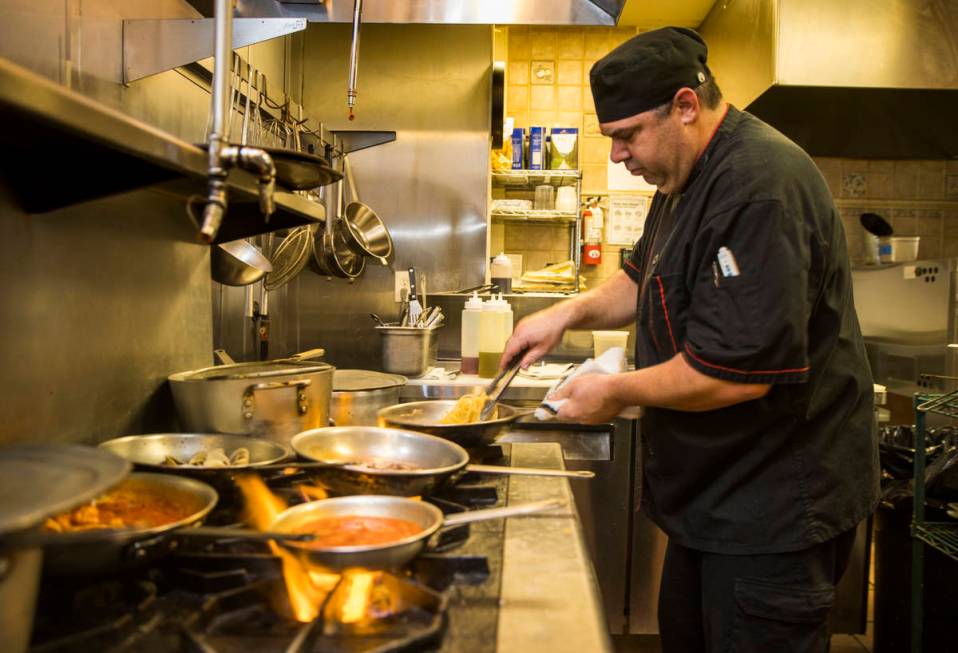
{"type": "Point", "coordinates": [402, 281]}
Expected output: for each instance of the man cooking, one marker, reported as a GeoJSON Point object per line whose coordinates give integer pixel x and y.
{"type": "Point", "coordinates": [758, 453]}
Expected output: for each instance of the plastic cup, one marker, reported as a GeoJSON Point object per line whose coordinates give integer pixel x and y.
{"type": "Point", "coordinates": [605, 340]}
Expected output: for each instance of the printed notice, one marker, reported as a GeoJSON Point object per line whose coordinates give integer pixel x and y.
{"type": "Point", "coordinates": [626, 218]}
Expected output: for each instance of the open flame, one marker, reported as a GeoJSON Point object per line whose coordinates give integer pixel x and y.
{"type": "Point", "coordinates": [307, 587]}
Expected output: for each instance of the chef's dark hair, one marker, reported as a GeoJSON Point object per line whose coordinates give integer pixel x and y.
{"type": "Point", "coordinates": [708, 92]}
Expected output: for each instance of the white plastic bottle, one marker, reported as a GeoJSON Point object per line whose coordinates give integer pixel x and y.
{"type": "Point", "coordinates": [491, 341]}
{"type": "Point", "coordinates": [507, 319]}
{"type": "Point", "coordinates": [501, 272]}
{"type": "Point", "coordinates": [469, 342]}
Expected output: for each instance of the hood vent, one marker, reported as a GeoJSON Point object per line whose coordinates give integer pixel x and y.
{"type": "Point", "coordinates": [855, 78]}
{"type": "Point", "coordinates": [451, 12]}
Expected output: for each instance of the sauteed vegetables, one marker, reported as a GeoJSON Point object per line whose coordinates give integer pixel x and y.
{"type": "Point", "coordinates": [129, 505]}
{"type": "Point", "coordinates": [215, 457]}
{"type": "Point", "coordinates": [357, 530]}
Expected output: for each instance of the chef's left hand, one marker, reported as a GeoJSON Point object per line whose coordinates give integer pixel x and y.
{"type": "Point", "coordinates": [590, 399]}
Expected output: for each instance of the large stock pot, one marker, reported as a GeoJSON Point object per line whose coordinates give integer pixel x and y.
{"type": "Point", "coordinates": [273, 399]}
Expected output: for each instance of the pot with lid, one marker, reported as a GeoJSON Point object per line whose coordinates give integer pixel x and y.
{"type": "Point", "coordinates": [273, 399]}
{"type": "Point", "coordinates": [359, 394]}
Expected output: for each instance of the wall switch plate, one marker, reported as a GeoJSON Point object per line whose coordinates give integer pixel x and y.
{"type": "Point", "coordinates": [402, 281]}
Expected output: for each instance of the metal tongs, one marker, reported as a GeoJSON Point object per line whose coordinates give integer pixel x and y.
{"type": "Point", "coordinates": [499, 384]}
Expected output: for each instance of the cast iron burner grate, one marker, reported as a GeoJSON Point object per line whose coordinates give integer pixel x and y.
{"type": "Point", "coordinates": [226, 596]}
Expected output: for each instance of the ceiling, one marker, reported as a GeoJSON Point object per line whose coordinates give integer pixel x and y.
{"type": "Point", "coordinates": [647, 14]}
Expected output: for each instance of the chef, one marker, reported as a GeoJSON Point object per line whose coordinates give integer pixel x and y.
{"type": "Point", "coordinates": [758, 453]}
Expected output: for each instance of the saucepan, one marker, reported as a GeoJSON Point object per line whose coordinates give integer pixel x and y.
{"type": "Point", "coordinates": [373, 460]}
{"type": "Point", "coordinates": [424, 416]}
{"type": "Point", "coordinates": [392, 555]}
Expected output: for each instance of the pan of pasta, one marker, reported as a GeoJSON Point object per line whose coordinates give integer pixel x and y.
{"type": "Point", "coordinates": [455, 420]}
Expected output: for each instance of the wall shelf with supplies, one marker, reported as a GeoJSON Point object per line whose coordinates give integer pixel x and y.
{"type": "Point", "coordinates": [521, 185]}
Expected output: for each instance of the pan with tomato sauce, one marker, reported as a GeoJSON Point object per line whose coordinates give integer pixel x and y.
{"type": "Point", "coordinates": [357, 530]}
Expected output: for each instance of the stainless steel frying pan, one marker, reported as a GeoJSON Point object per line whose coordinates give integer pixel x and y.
{"type": "Point", "coordinates": [424, 416]}
{"type": "Point", "coordinates": [432, 461]}
{"type": "Point", "coordinates": [382, 556]}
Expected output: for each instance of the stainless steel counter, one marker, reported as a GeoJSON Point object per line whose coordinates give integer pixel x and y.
{"type": "Point", "coordinates": [549, 599]}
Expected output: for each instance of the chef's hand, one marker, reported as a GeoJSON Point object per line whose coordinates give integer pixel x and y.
{"type": "Point", "coordinates": [539, 333]}
{"type": "Point", "coordinates": [590, 399]}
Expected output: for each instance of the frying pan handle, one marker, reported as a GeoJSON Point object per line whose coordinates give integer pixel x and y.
{"type": "Point", "coordinates": [309, 354]}
{"type": "Point", "coordinates": [529, 471]}
{"type": "Point", "coordinates": [244, 534]}
{"type": "Point", "coordinates": [497, 513]}
{"type": "Point", "coordinates": [302, 401]}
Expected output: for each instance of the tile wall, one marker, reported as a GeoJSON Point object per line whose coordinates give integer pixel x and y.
{"type": "Point", "coordinates": [547, 83]}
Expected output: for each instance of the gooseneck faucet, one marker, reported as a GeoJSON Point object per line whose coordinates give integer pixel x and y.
{"type": "Point", "coordinates": [221, 154]}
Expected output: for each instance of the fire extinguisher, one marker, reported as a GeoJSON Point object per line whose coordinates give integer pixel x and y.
{"type": "Point", "coordinates": [592, 223]}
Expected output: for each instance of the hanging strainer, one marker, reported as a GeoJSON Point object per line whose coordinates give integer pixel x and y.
{"type": "Point", "coordinates": [290, 258]}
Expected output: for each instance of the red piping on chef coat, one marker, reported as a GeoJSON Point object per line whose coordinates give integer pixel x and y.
{"type": "Point", "coordinates": [736, 371]}
{"type": "Point", "coordinates": [665, 309]}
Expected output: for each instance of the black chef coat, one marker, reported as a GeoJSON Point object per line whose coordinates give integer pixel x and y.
{"type": "Point", "coordinates": [800, 465]}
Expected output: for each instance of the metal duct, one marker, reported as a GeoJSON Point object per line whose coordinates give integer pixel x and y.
{"type": "Point", "coordinates": [461, 12]}
{"type": "Point", "coordinates": [857, 78]}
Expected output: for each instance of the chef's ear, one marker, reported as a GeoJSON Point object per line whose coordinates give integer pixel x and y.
{"type": "Point", "coordinates": [687, 103]}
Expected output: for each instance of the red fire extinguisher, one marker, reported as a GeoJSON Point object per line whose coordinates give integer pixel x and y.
{"type": "Point", "coordinates": [592, 222]}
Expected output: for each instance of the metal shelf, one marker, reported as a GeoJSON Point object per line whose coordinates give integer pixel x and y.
{"type": "Point", "coordinates": [942, 536]}
{"type": "Point", "coordinates": [530, 178]}
{"type": "Point", "coordinates": [562, 218]}
{"type": "Point", "coordinates": [61, 148]}
{"type": "Point", "coordinates": [946, 404]}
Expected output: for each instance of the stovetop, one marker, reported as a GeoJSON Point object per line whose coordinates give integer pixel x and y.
{"type": "Point", "coordinates": [228, 596]}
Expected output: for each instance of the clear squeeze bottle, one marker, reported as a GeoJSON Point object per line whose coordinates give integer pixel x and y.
{"type": "Point", "coordinates": [469, 342]}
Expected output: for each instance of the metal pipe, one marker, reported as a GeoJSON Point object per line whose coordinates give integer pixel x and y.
{"type": "Point", "coordinates": [354, 57]}
{"type": "Point", "coordinates": [219, 104]}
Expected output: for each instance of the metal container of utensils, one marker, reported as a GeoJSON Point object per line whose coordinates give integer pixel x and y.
{"type": "Point", "coordinates": [409, 351]}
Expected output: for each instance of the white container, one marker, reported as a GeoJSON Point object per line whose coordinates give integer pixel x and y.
{"type": "Point", "coordinates": [566, 199]}
{"type": "Point", "coordinates": [501, 272]}
{"type": "Point", "coordinates": [871, 245]}
{"type": "Point", "coordinates": [904, 248]}
{"type": "Point", "coordinates": [469, 337]}
{"type": "Point", "coordinates": [604, 340]}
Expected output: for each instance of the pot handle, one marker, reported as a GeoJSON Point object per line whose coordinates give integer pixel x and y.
{"type": "Point", "coordinates": [497, 513]}
{"type": "Point", "coordinates": [309, 354]}
{"type": "Point", "coordinates": [302, 401]}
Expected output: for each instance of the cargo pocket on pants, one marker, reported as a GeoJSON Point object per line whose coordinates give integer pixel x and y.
{"type": "Point", "coordinates": [779, 618]}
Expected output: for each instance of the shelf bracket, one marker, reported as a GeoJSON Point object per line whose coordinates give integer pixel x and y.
{"type": "Point", "coordinates": [355, 140]}
{"type": "Point", "coordinates": [155, 46]}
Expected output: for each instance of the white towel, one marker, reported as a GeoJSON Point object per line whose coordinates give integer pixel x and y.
{"type": "Point", "coordinates": [612, 361]}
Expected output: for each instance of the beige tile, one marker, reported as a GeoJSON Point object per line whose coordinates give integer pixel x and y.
{"type": "Point", "coordinates": [832, 171]}
{"type": "Point", "coordinates": [951, 167]}
{"type": "Point", "coordinates": [521, 118]}
{"type": "Point", "coordinates": [543, 43]}
{"type": "Point", "coordinates": [594, 149]}
{"type": "Point", "coordinates": [518, 72]}
{"type": "Point", "coordinates": [882, 166]}
{"type": "Point", "coordinates": [497, 237]}
{"type": "Point", "coordinates": [951, 187]}
{"type": "Point", "coordinates": [570, 43]}
{"type": "Point", "coordinates": [590, 125]}
{"type": "Point", "coordinates": [879, 185]}
{"type": "Point", "coordinates": [620, 35]}
{"type": "Point", "coordinates": [931, 180]}
{"type": "Point", "coordinates": [586, 69]}
{"type": "Point", "coordinates": [588, 105]}
{"type": "Point", "coordinates": [846, 644]}
{"type": "Point", "coordinates": [596, 42]}
{"type": "Point", "coordinates": [595, 178]}
{"type": "Point", "coordinates": [542, 118]}
{"type": "Point", "coordinates": [570, 119]}
{"type": "Point", "coordinates": [929, 248]}
{"type": "Point", "coordinates": [520, 44]}
{"type": "Point", "coordinates": [859, 166]}
{"type": "Point", "coordinates": [569, 72]}
{"type": "Point", "coordinates": [517, 98]}
{"type": "Point", "coordinates": [543, 98]}
{"type": "Point", "coordinates": [904, 222]}
{"type": "Point", "coordinates": [569, 98]}
{"type": "Point", "coordinates": [515, 237]}
{"type": "Point", "coordinates": [906, 180]}
{"type": "Point", "coordinates": [930, 227]}
{"type": "Point", "coordinates": [542, 72]}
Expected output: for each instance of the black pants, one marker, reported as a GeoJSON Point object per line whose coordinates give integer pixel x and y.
{"type": "Point", "coordinates": [773, 603]}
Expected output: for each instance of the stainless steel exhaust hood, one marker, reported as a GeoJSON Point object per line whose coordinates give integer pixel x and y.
{"type": "Point", "coordinates": [855, 78]}
{"type": "Point", "coordinates": [482, 12]}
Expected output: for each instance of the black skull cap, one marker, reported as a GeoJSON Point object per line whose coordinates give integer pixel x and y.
{"type": "Point", "coordinates": [646, 71]}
